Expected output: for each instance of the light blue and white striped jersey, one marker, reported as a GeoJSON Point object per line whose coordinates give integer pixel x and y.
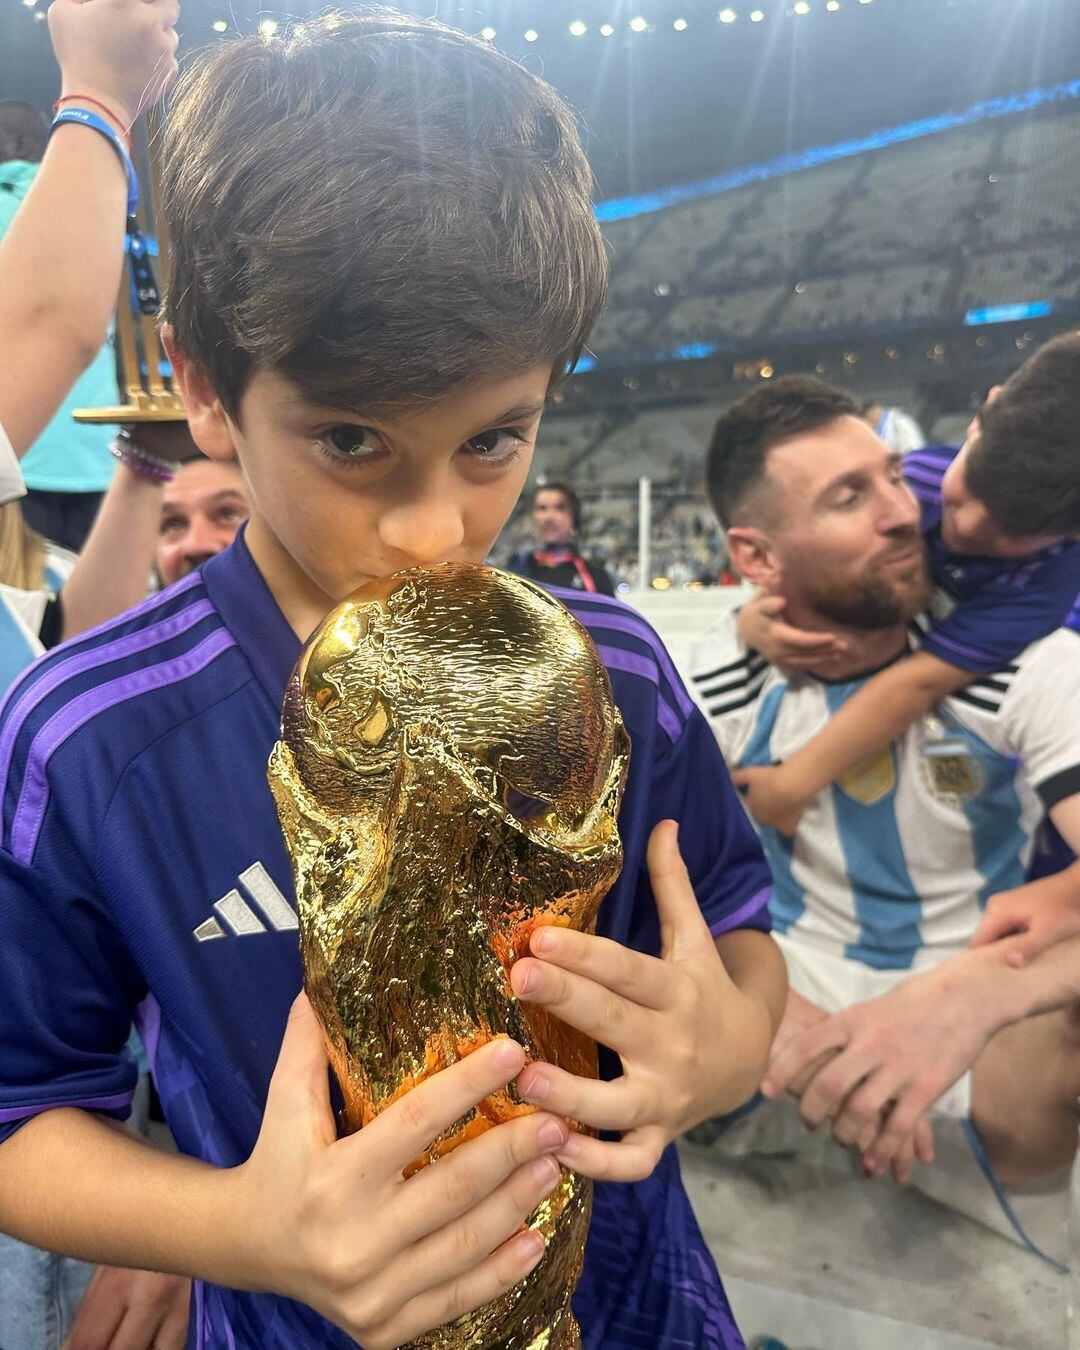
{"type": "Point", "coordinates": [11, 481]}
{"type": "Point", "coordinates": [22, 613]}
{"type": "Point", "coordinates": [892, 865]}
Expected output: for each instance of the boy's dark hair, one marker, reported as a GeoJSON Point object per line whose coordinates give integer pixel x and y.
{"type": "Point", "coordinates": [24, 133]}
{"type": "Point", "coordinates": [735, 462]}
{"type": "Point", "coordinates": [573, 501]}
{"type": "Point", "coordinates": [1025, 465]}
{"type": "Point", "coordinates": [379, 208]}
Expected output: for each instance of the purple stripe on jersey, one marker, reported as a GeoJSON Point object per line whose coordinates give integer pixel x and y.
{"type": "Point", "coordinates": [199, 1312]}
{"type": "Point", "coordinates": [633, 664]}
{"type": "Point", "coordinates": [89, 659]}
{"type": "Point", "coordinates": [927, 476]}
{"type": "Point", "coordinates": [615, 623]}
{"type": "Point", "coordinates": [965, 653]}
{"type": "Point", "coordinates": [11, 1113]}
{"type": "Point", "coordinates": [754, 905]}
{"type": "Point", "coordinates": [148, 1025]}
{"type": "Point", "coordinates": [34, 797]}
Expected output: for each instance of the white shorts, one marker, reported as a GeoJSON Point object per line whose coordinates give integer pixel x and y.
{"type": "Point", "coordinates": [960, 1177]}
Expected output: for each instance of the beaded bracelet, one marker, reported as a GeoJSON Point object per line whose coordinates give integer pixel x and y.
{"type": "Point", "coordinates": [140, 461]}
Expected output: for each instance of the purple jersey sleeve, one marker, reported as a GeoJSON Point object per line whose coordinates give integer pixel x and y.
{"type": "Point", "coordinates": [989, 629]}
{"type": "Point", "coordinates": [66, 1048]}
{"type": "Point", "coordinates": [720, 847]}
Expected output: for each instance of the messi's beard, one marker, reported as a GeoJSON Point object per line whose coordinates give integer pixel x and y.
{"type": "Point", "coordinates": [870, 601]}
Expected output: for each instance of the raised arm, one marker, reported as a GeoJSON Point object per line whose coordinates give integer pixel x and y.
{"type": "Point", "coordinates": [875, 716]}
{"type": "Point", "coordinates": [61, 258]}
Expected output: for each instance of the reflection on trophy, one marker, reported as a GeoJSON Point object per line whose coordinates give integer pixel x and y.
{"type": "Point", "coordinates": [448, 777]}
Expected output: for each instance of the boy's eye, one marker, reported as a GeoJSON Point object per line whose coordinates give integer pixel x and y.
{"type": "Point", "coordinates": [497, 446]}
{"type": "Point", "coordinates": [349, 441]}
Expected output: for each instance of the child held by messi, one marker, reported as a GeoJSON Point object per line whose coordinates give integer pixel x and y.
{"type": "Point", "coordinates": [385, 256]}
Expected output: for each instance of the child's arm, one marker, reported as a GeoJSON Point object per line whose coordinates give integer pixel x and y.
{"type": "Point", "coordinates": [329, 1222]}
{"type": "Point", "coordinates": [875, 716]}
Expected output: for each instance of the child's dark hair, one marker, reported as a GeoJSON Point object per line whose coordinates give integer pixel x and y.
{"type": "Point", "coordinates": [1025, 464]}
{"type": "Point", "coordinates": [24, 133]}
{"type": "Point", "coordinates": [380, 209]}
{"type": "Point", "coordinates": [573, 501]}
{"type": "Point", "coordinates": [735, 463]}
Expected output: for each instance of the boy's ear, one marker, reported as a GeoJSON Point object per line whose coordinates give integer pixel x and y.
{"type": "Point", "coordinates": [753, 556]}
{"type": "Point", "coordinates": [209, 426]}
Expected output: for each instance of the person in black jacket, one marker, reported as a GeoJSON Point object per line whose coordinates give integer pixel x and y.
{"type": "Point", "coordinates": [557, 561]}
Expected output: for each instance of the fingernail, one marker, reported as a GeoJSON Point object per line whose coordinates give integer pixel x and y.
{"type": "Point", "coordinates": [552, 1134]}
{"type": "Point", "coordinates": [767, 1089]}
{"type": "Point", "coordinates": [546, 1171]}
{"type": "Point", "coordinates": [538, 1090]}
{"type": "Point", "coordinates": [572, 1147]}
{"type": "Point", "coordinates": [528, 980]}
{"type": "Point", "coordinates": [543, 940]}
{"type": "Point", "coordinates": [508, 1054]}
{"type": "Point", "coordinates": [530, 1246]}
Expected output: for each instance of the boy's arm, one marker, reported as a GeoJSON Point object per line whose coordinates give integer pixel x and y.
{"type": "Point", "coordinates": [329, 1222]}
{"type": "Point", "coordinates": [61, 258]}
{"type": "Point", "coordinates": [876, 715]}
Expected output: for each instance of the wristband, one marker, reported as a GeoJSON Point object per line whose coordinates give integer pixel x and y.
{"type": "Point", "coordinates": [83, 117]}
{"type": "Point", "coordinates": [140, 461]}
{"type": "Point", "coordinates": [97, 103]}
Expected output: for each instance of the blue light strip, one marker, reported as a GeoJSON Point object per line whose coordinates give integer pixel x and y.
{"type": "Point", "coordinates": [625, 208]}
{"type": "Point", "coordinates": [1035, 309]}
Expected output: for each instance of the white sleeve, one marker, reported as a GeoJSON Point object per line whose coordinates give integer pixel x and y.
{"type": "Point", "coordinates": [1041, 715]}
{"type": "Point", "coordinates": [11, 480]}
{"type": "Point", "coordinates": [725, 679]}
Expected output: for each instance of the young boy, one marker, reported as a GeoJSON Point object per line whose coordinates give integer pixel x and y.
{"type": "Point", "coordinates": [1000, 517]}
{"type": "Point", "coordinates": [384, 256]}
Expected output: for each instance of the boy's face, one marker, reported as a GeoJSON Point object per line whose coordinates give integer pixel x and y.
{"type": "Point", "coordinates": [338, 499]}
{"type": "Point", "coordinates": [966, 524]}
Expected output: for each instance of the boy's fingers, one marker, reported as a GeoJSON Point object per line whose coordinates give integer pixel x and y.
{"type": "Point", "coordinates": [683, 930]}
{"type": "Point", "coordinates": [444, 1191]}
{"type": "Point", "coordinates": [606, 1017]}
{"type": "Point", "coordinates": [591, 1101]}
{"type": "Point", "coordinates": [769, 605]}
{"type": "Point", "coordinates": [807, 643]}
{"type": "Point", "coordinates": [996, 923]}
{"type": "Point", "coordinates": [502, 1270]}
{"type": "Point", "coordinates": [825, 1037]}
{"type": "Point", "coordinates": [300, 1081]}
{"type": "Point", "coordinates": [632, 1158]}
{"type": "Point", "coordinates": [635, 976]}
{"type": "Point", "coordinates": [408, 1127]}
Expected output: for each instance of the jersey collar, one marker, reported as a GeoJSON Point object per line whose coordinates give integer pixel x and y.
{"type": "Point", "coordinates": [243, 599]}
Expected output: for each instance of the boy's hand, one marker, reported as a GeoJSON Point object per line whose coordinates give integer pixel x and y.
{"type": "Point", "coordinates": [692, 1044]}
{"type": "Point", "coordinates": [122, 52]}
{"type": "Point", "coordinates": [761, 626]}
{"type": "Point", "coordinates": [131, 1310]}
{"type": "Point", "coordinates": [331, 1222]}
{"type": "Point", "coordinates": [1028, 920]}
{"type": "Point", "coordinates": [770, 797]}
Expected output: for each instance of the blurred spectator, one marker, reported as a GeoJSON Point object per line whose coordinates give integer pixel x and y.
{"type": "Point", "coordinates": [201, 511]}
{"type": "Point", "coordinates": [69, 466]}
{"type": "Point", "coordinates": [556, 523]}
{"type": "Point", "coordinates": [898, 429]}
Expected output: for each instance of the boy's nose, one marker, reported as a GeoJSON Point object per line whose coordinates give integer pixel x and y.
{"type": "Point", "coordinates": [422, 532]}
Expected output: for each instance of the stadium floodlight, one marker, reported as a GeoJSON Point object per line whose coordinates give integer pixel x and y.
{"type": "Point", "coordinates": [268, 27]}
{"type": "Point", "coordinates": [680, 25]}
{"type": "Point", "coordinates": [29, 3]}
{"type": "Point", "coordinates": [727, 16]}
{"type": "Point", "coordinates": [832, 5]}
{"type": "Point", "coordinates": [606, 30]}
{"type": "Point", "coordinates": [801, 7]}
{"type": "Point", "coordinates": [579, 28]}
{"type": "Point", "coordinates": [220, 26]}
{"type": "Point", "coordinates": [638, 24]}
{"type": "Point", "coordinates": [756, 15]}
{"type": "Point", "coordinates": [488, 34]}
{"type": "Point", "coordinates": [531, 34]}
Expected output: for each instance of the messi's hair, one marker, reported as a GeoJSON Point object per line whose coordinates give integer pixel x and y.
{"type": "Point", "coordinates": [735, 473]}
{"type": "Point", "coordinates": [1025, 463]}
{"type": "Point", "coordinates": [573, 501]}
{"type": "Point", "coordinates": [24, 133]}
{"type": "Point", "coordinates": [379, 208]}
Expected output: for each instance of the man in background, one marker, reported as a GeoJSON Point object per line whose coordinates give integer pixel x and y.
{"type": "Point", "coordinates": [557, 560]}
{"type": "Point", "coordinates": [201, 511]}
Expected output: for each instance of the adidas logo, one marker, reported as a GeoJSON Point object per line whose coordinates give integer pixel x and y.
{"type": "Point", "coordinates": [238, 916]}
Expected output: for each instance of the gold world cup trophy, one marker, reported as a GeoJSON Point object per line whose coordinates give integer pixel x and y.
{"type": "Point", "coordinates": [448, 777]}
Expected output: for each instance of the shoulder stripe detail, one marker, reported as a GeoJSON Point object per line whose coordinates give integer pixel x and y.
{"type": "Point", "coordinates": [739, 681]}
{"type": "Point", "coordinates": [79, 662]}
{"type": "Point", "coordinates": [638, 627]}
{"type": "Point", "coordinates": [34, 797]}
{"type": "Point", "coordinates": [918, 473]}
{"type": "Point", "coordinates": [615, 658]}
{"type": "Point", "coordinates": [962, 650]}
{"type": "Point", "coordinates": [747, 696]}
{"type": "Point", "coordinates": [986, 704]}
{"type": "Point", "coordinates": [729, 669]}
{"type": "Point", "coordinates": [114, 1103]}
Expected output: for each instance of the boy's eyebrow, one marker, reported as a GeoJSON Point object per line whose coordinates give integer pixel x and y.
{"type": "Point", "coordinates": [518, 414]}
